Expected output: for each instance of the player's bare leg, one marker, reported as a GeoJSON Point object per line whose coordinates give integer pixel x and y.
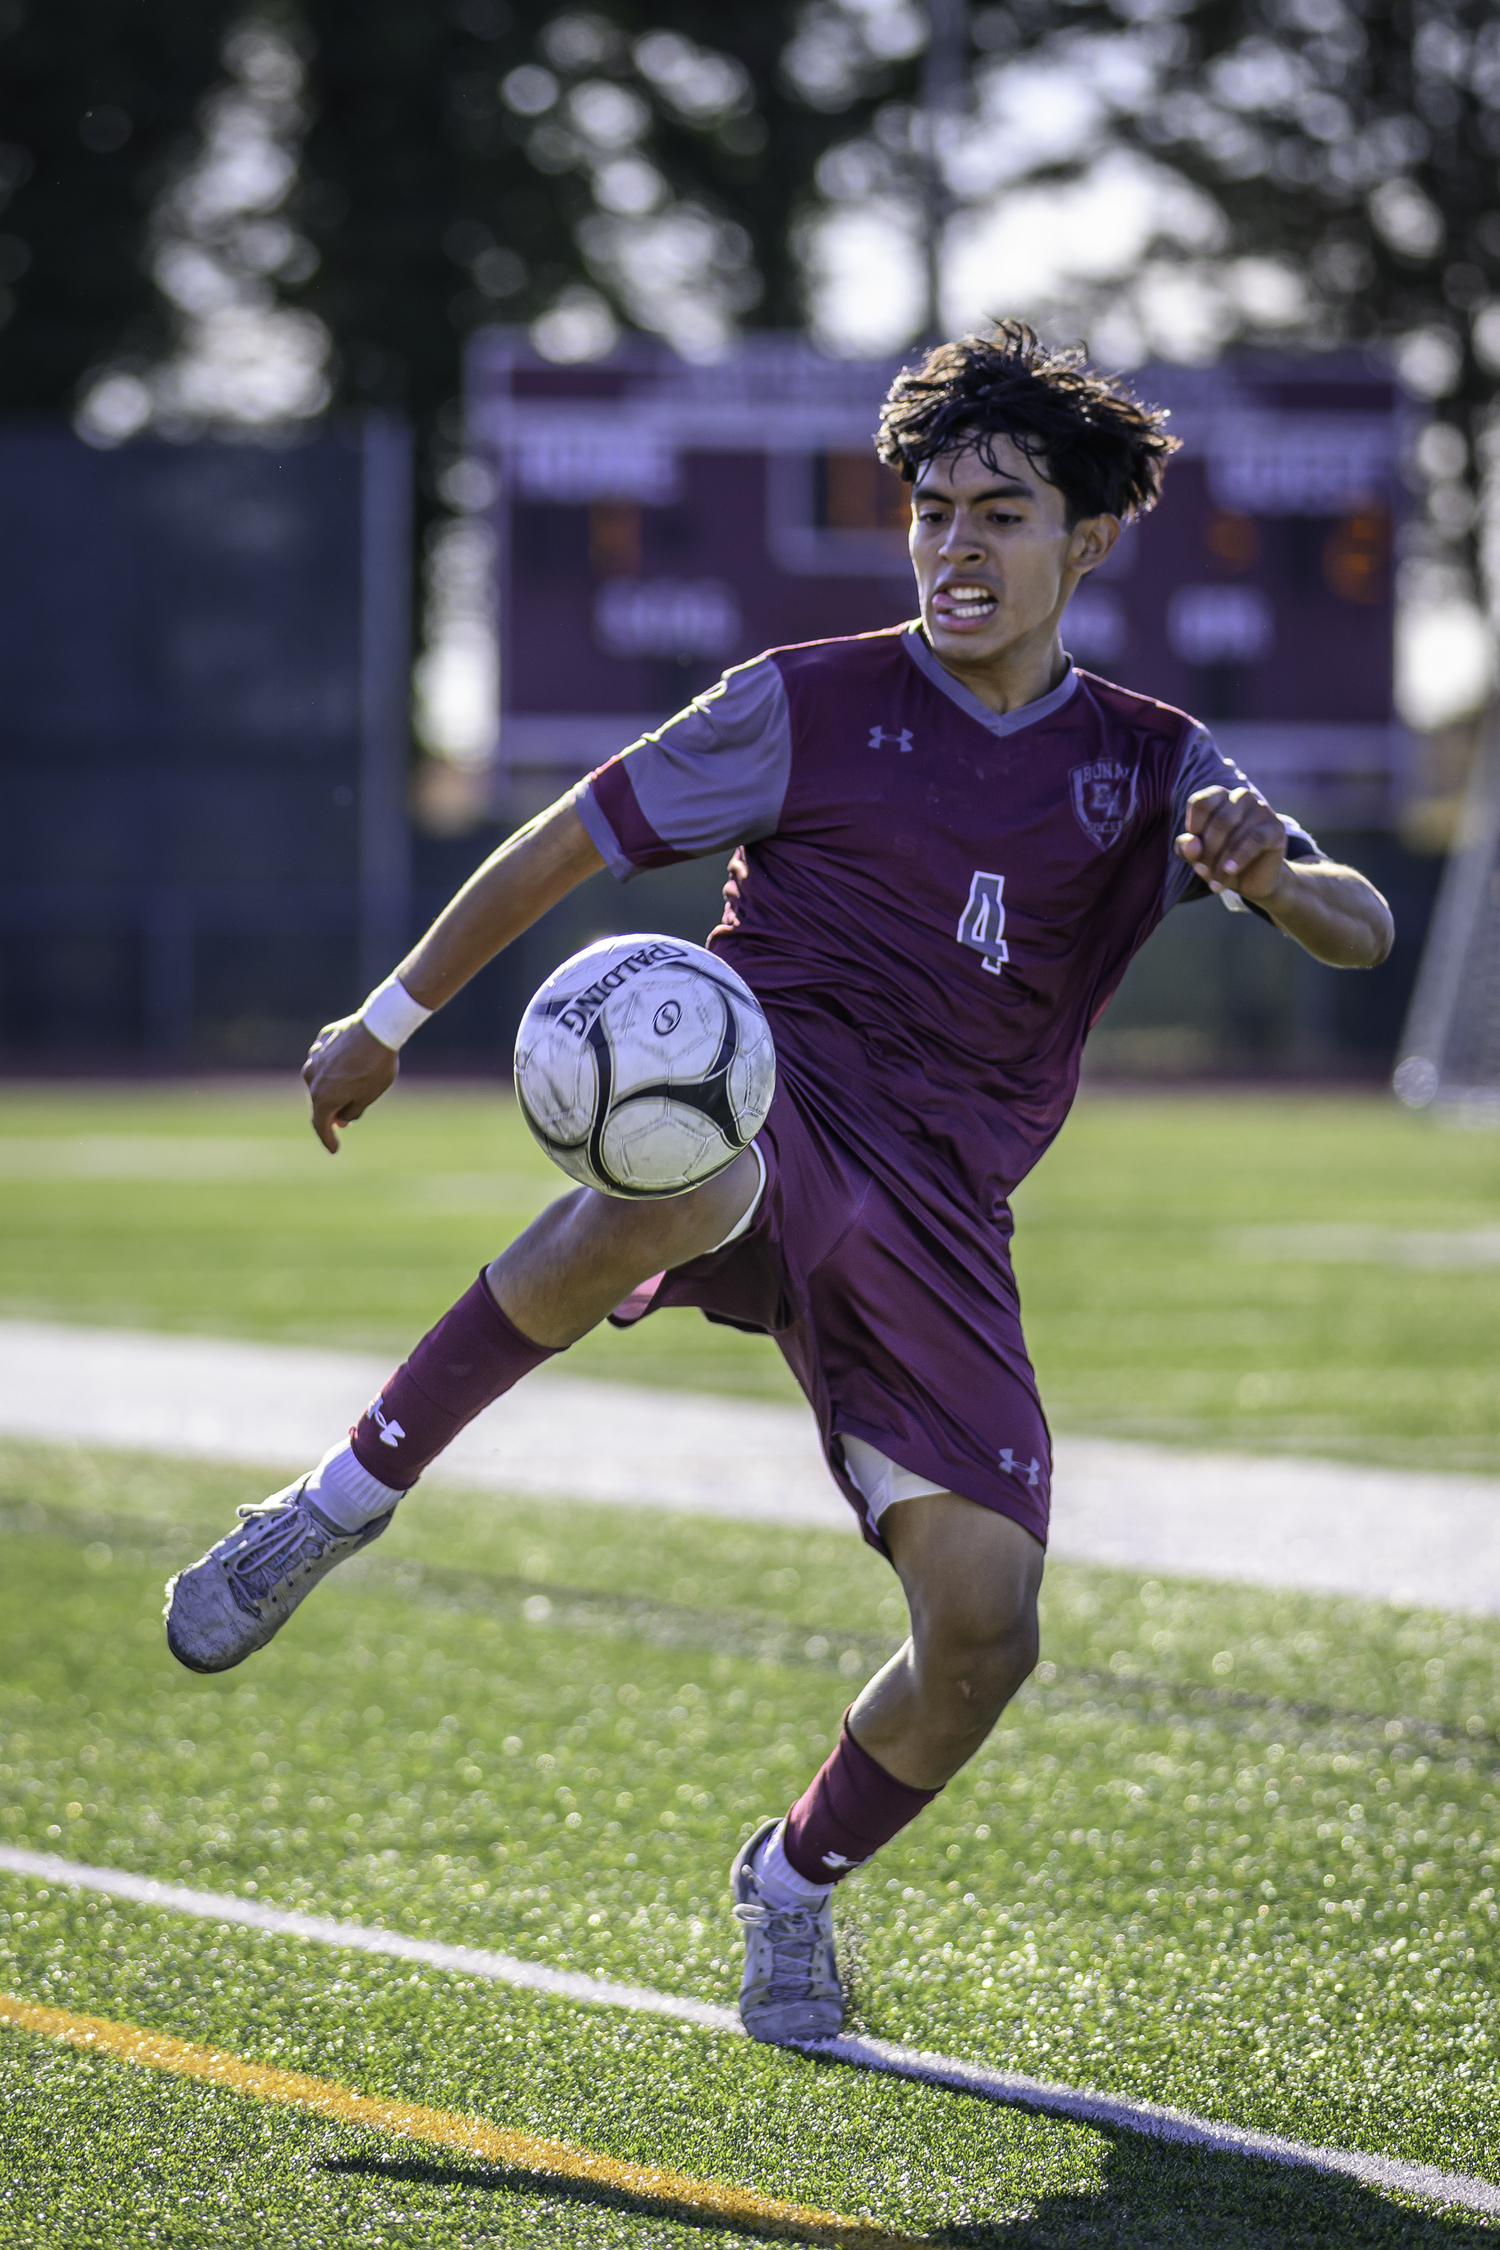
{"type": "Point", "coordinates": [586, 1252]}
{"type": "Point", "coordinates": [971, 1579]}
{"type": "Point", "coordinates": [573, 1265]}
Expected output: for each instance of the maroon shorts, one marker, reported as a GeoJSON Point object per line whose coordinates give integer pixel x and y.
{"type": "Point", "coordinates": [893, 1338]}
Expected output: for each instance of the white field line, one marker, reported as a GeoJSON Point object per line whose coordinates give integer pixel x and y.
{"type": "Point", "coordinates": [1456, 2188]}
{"type": "Point", "coordinates": [318, 1929]}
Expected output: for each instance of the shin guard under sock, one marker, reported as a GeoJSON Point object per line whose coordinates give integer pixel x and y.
{"type": "Point", "coordinates": [848, 1811]}
{"type": "Point", "coordinates": [471, 1358]}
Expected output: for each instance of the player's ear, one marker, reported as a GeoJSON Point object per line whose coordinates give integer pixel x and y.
{"type": "Point", "coordinates": [1093, 537]}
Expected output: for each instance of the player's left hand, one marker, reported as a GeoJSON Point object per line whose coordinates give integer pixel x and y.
{"type": "Point", "coordinates": [1235, 842]}
{"type": "Point", "coordinates": [347, 1069]}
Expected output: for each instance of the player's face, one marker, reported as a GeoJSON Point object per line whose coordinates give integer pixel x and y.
{"type": "Point", "coordinates": [994, 554]}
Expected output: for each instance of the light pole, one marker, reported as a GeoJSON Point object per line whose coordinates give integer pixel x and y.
{"type": "Point", "coordinates": [945, 77]}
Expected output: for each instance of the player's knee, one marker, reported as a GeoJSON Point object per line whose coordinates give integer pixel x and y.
{"type": "Point", "coordinates": [997, 1623]}
{"type": "Point", "coordinates": [670, 1230]}
{"type": "Point", "coordinates": [1010, 1653]}
{"type": "Point", "coordinates": [1018, 1645]}
{"type": "Point", "coordinates": [975, 1656]}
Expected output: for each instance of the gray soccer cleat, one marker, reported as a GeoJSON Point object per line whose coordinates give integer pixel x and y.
{"type": "Point", "coordinates": [242, 1592]}
{"type": "Point", "coordinates": [790, 1995]}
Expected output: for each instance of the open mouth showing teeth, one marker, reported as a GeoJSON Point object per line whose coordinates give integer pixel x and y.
{"type": "Point", "coordinates": [963, 606]}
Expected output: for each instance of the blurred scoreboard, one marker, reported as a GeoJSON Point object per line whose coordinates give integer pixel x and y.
{"type": "Point", "coordinates": [659, 520]}
{"type": "Point", "coordinates": [1260, 594]}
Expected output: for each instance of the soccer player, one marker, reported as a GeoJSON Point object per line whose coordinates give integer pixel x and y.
{"type": "Point", "coordinates": [948, 843]}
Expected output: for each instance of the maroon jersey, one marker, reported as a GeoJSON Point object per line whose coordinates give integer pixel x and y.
{"type": "Point", "coordinates": [932, 901]}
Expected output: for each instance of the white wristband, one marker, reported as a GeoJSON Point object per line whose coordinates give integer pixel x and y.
{"type": "Point", "coordinates": [391, 1015]}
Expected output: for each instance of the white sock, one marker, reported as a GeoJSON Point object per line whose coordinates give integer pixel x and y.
{"type": "Point", "coordinates": [780, 1884]}
{"type": "Point", "coordinates": [346, 1493]}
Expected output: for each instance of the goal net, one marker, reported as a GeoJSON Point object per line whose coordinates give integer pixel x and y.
{"type": "Point", "coordinates": [1450, 1044]}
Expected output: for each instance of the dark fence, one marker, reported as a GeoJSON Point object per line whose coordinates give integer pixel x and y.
{"type": "Point", "coordinates": [202, 740]}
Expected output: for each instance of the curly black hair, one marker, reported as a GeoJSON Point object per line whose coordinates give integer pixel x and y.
{"type": "Point", "coordinates": [1104, 450]}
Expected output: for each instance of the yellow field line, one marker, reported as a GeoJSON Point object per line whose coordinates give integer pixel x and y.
{"type": "Point", "coordinates": [672, 2194]}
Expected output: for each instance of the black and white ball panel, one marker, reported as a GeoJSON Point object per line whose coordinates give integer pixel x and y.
{"type": "Point", "coordinates": [644, 1065]}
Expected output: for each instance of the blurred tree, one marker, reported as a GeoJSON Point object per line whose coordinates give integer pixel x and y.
{"type": "Point", "coordinates": [480, 162]}
{"type": "Point", "coordinates": [465, 162]}
{"type": "Point", "coordinates": [469, 162]}
{"type": "Point", "coordinates": [1358, 142]}
{"type": "Point", "coordinates": [1325, 172]}
{"type": "Point", "coordinates": [1322, 172]}
{"type": "Point", "coordinates": [97, 106]}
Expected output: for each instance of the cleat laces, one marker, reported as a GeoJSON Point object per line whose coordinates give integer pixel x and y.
{"type": "Point", "coordinates": [796, 1938]}
{"type": "Point", "coordinates": [282, 1541]}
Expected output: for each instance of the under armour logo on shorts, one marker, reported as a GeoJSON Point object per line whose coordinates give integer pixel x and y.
{"type": "Point", "coordinates": [1031, 1470]}
{"type": "Point", "coordinates": [902, 740]}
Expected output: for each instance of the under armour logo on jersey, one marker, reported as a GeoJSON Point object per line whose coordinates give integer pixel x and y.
{"type": "Point", "coordinates": [391, 1433]}
{"type": "Point", "coordinates": [982, 922]}
{"type": "Point", "coordinates": [1031, 1470]}
{"type": "Point", "coordinates": [878, 736]}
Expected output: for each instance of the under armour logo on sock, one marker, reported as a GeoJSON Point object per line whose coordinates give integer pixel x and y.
{"type": "Point", "coordinates": [837, 1859]}
{"type": "Point", "coordinates": [391, 1433]}
{"type": "Point", "coordinates": [1030, 1470]}
{"type": "Point", "coordinates": [878, 736]}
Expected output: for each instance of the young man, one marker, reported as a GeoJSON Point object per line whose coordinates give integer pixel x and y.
{"type": "Point", "coordinates": [948, 844]}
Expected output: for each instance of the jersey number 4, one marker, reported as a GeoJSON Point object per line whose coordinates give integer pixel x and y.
{"type": "Point", "coordinates": [982, 922]}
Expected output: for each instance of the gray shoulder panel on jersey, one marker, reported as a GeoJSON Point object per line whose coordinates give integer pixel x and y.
{"type": "Point", "coordinates": [998, 722]}
{"type": "Point", "coordinates": [1204, 766]}
{"type": "Point", "coordinates": [717, 773]}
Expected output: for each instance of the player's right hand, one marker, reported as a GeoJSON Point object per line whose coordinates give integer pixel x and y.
{"type": "Point", "coordinates": [346, 1069]}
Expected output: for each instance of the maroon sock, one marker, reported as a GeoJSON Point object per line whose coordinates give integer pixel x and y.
{"type": "Point", "coordinates": [847, 1812]}
{"type": "Point", "coordinates": [473, 1356]}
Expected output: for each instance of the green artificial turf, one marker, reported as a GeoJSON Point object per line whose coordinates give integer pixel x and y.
{"type": "Point", "coordinates": [678, 1578]}
{"type": "Point", "coordinates": [1171, 1287]}
{"type": "Point", "coordinates": [1234, 1851]}
{"type": "Point", "coordinates": [1250, 1270]}
{"type": "Point", "coordinates": [95, 2153]}
{"type": "Point", "coordinates": [647, 2092]}
{"type": "Point", "coordinates": [215, 1210]}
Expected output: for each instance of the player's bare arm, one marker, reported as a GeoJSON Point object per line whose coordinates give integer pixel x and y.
{"type": "Point", "coordinates": [1235, 842]}
{"type": "Point", "coordinates": [348, 1067]}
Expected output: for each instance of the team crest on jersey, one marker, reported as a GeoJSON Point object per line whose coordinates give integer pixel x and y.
{"type": "Point", "coordinates": [1103, 799]}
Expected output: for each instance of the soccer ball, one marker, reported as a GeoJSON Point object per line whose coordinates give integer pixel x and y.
{"type": "Point", "coordinates": [644, 1065]}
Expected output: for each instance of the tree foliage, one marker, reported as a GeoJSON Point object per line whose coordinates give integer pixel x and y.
{"type": "Point", "coordinates": [1359, 140]}
{"type": "Point", "coordinates": [654, 162]}
{"type": "Point", "coordinates": [470, 164]}
{"type": "Point", "coordinates": [464, 162]}
{"type": "Point", "coordinates": [97, 106]}
{"type": "Point", "coordinates": [1326, 171]}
